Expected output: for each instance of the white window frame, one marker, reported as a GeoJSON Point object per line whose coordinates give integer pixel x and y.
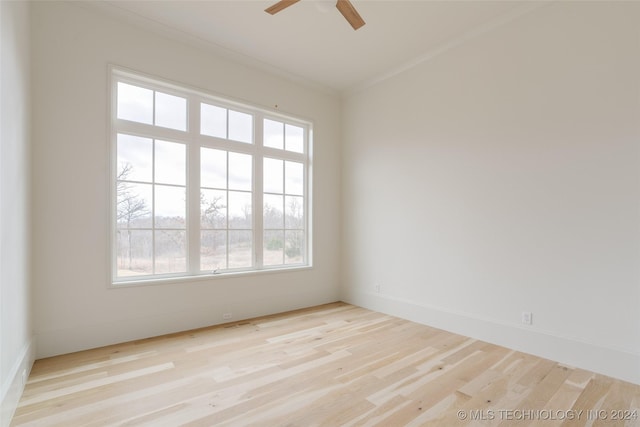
{"type": "Point", "coordinates": [194, 141]}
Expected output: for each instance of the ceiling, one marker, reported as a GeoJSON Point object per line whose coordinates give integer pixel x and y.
{"type": "Point", "coordinates": [311, 41]}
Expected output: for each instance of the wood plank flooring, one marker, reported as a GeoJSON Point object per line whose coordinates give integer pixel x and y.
{"type": "Point", "coordinates": [333, 365]}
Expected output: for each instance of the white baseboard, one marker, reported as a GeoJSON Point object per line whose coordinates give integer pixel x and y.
{"type": "Point", "coordinates": [83, 336]}
{"type": "Point", "coordinates": [612, 362]}
{"type": "Point", "coordinates": [13, 384]}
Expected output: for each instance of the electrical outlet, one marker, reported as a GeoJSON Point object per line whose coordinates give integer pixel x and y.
{"type": "Point", "coordinates": [227, 316]}
{"type": "Point", "coordinates": [377, 287]}
{"type": "Point", "coordinates": [527, 317]}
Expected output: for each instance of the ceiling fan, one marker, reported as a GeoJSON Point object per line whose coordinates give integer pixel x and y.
{"type": "Point", "coordinates": [344, 6]}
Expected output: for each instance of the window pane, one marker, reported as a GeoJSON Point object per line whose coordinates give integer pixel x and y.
{"type": "Point", "coordinates": [294, 138]}
{"type": "Point", "coordinates": [135, 103]}
{"type": "Point", "coordinates": [213, 121]}
{"type": "Point", "coordinates": [240, 171]}
{"type": "Point", "coordinates": [134, 158]}
{"type": "Point", "coordinates": [294, 178]}
{"type": "Point", "coordinates": [239, 210]}
{"type": "Point", "coordinates": [294, 212]}
{"type": "Point", "coordinates": [240, 126]}
{"type": "Point", "coordinates": [134, 253]}
{"type": "Point", "coordinates": [213, 209]}
{"type": "Point", "coordinates": [273, 134]}
{"type": "Point", "coordinates": [294, 247]}
{"type": "Point", "coordinates": [273, 176]}
{"type": "Point", "coordinates": [213, 250]}
{"type": "Point", "coordinates": [171, 111]}
{"type": "Point", "coordinates": [133, 205]}
{"type": "Point", "coordinates": [273, 250]}
{"type": "Point", "coordinates": [170, 163]}
{"type": "Point", "coordinates": [272, 211]}
{"type": "Point", "coordinates": [213, 168]}
{"type": "Point", "coordinates": [240, 249]}
{"type": "Point", "coordinates": [170, 207]}
{"type": "Point", "coordinates": [171, 251]}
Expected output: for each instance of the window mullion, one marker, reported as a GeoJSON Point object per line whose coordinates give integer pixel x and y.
{"type": "Point", "coordinates": [227, 207]}
{"type": "Point", "coordinates": [258, 217]}
{"type": "Point", "coordinates": [284, 209]}
{"type": "Point", "coordinates": [153, 206]}
{"type": "Point", "coordinates": [149, 131]}
{"type": "Point", "coordinates": [308, 200]}
{"type": "Point", "coordinates": [193, 186]}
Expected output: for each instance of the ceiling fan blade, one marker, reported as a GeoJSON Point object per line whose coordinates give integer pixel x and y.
{"type": "Point", "coordinates": [282, 4]}
{"type": "Point", "coordinates": [350, 13]}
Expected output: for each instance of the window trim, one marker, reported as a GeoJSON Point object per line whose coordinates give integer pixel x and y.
{"type": "Point", "coordinates": [194, 141]}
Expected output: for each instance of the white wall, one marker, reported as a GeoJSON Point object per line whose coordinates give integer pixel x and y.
{"type": "Point", "coordinates": [502, 176]}
{"type": "Point", "coordinates": [16, 349]}
{"type": "Point", "coordinates": [72, 47]}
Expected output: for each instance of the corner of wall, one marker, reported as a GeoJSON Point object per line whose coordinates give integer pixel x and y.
{"type": "Point", "coordinates": [607, 361]}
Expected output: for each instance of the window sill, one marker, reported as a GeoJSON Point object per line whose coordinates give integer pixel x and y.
{"type": "Point", "coordinates": [205, 277]}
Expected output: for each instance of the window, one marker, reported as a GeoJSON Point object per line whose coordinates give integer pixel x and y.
{"type": "Point", "coordinates": [204, 185]}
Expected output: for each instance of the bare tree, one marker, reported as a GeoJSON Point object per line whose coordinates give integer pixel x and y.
{"type": "Point", "coordinates": [212, 214]}
{"type": "Point", "coordinates": [295, 215]}
{"type": "Point", "coordinates": [129, 205]}
{"type": "Point", "coordinates": [211, 211]}
{"type": "Point", "coordinates": [294, 221]}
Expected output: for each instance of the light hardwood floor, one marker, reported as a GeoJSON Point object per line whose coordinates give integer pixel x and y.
{"type": "Point", "coordinates": [333, 365]}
